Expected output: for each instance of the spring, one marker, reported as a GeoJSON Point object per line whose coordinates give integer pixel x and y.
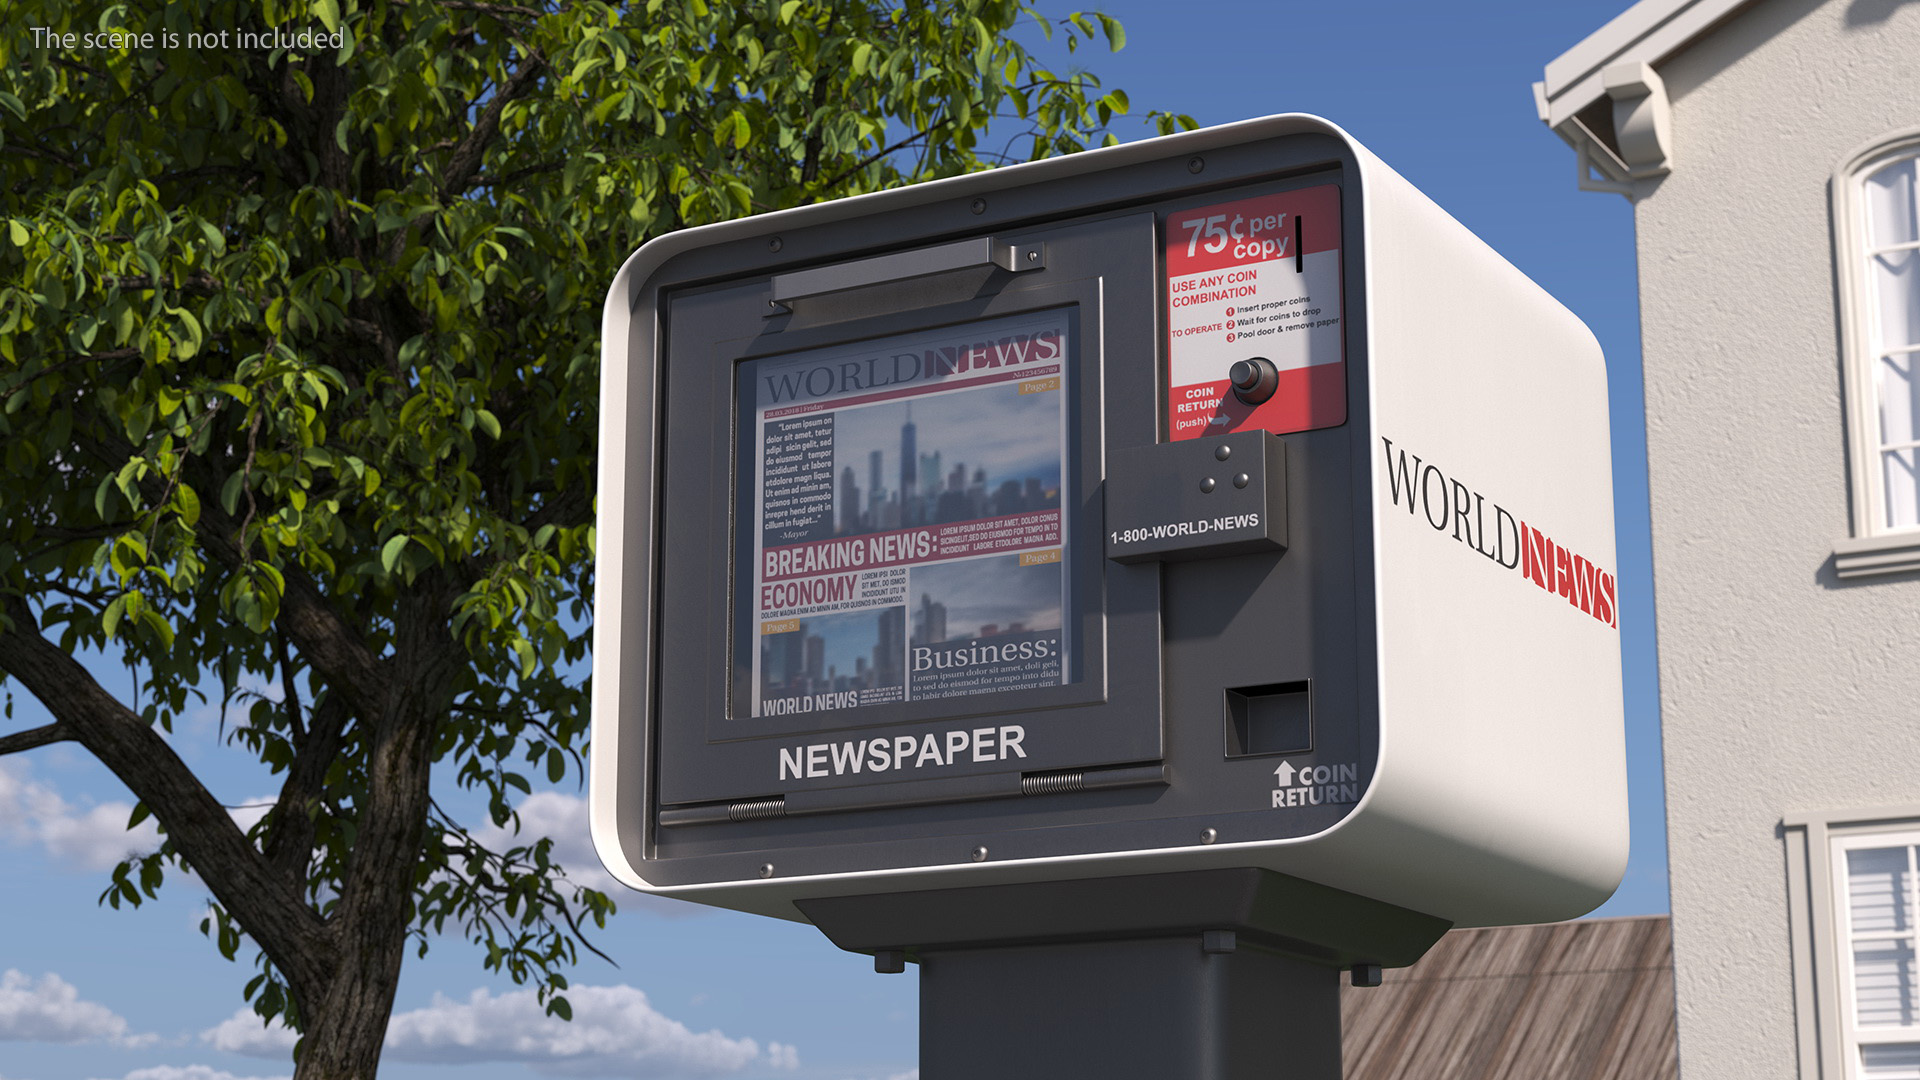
{"type": "Point", "coordinates": [1049, 783]}
{"type": "Point", "coordinates": [756, 809]}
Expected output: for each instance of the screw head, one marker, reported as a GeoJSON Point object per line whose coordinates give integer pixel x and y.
{"type": "Point", "coordinates": [980, 853]}
{"type": "Point", "coordinates": [1206, 486]}
{"type": "Point", "coordinates": [1208, 836]}
{"type": "Point", "coordinates": [1195, 164]}
{"type": "Point", "coordinates": [1033, 256]}
{"type": "Point", "coordinates": [1242, 480]}
{"type": "Point", "coordinates": [774, 244]}
{"type": "Point", "coordinates": [979, 206]}
{"type": "Point", "coordinates": [1222, 452]}
{"type": "Point", "coordinates": [766, 869]}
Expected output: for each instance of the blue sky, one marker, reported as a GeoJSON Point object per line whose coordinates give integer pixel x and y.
{"type": "Point", "coordinates": [1438, 92]}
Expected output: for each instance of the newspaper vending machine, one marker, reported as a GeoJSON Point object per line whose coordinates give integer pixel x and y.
{"type": "Point", "coordinates": [1191, 557]}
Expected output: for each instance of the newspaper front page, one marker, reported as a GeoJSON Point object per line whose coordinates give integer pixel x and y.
{"type": "Point", "coordinates": [907, 536]}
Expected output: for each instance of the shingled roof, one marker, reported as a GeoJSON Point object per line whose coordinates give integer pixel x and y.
{"type": "Point", "coordinates": [1587, 1000]}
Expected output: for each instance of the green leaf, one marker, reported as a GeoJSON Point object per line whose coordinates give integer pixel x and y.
{"type": "Point", "coordinates": [390, 552]}
{"type": "Point", "coordinates": [556, 765]}
{"type": "Point", "coordinates": [110, 618]}
{"type": "Point", "coordinates": [188, 504]}
{"type": "Point", "coordinates": [328, 12]}
{"type": "Point", "coordinates": [18, 233]}
{"type": "Point", "coordinates": [157, 625]}
{"type": "Point", "coordinates": [230, 492]}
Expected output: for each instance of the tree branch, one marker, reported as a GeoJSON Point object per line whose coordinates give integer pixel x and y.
{"type": "Point", "coordinates": [490, 9]}
{"type": "Point", "coordinates": [834, 180]}
{"type": "Point", "coordinates": [564, 507]}
{"type": "Point", "coordinates": [817, 138]}
{"type": "Point", "coordinates": [289, 693]}
{"type": "Point", "coordinates": [518, 175]}
{"type": "Point", "coordinates": [49, 155]}
{"type": "Point", "coordinates": [34, 737]}
{"type": "Point", "coordinates": [467, 156]}
{"type": "Point", "coordinates": [329, 645]}
{"type": "Point", "coordinates": [205, 170]}
{"type": "Point", "coordinates": [71, 361]}
{"type": "Point", "coordinates": [290, 933]}
{"type": "Point", "coordinates": [198, 281]}
{"type": "Point", "coordinates": [290, 842]}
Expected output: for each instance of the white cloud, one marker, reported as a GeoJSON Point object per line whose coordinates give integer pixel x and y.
{"type": "Point", "coordinates": [93, 838]}
{"type": "Point", "coordinates": [615, 1031]}
{"type": "Point", "coordinates": [564, 818]}
{"type": "Point", "coordinates": [202, 720]}
{"type": "Point", "coordinates": [243, 1033]}
{"type": "Point", "coordinates": [51, 1011]}
{"type": "Point", "coordinates": [248, 813]}
{"type": "Point", "coordinates": [189, 1072]}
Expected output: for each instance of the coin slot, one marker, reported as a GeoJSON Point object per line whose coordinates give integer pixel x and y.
{"type": "Point", "coordinates": [1275, 718]}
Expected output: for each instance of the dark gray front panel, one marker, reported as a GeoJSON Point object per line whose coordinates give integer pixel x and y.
{"type": "Point", "coordinates": [1275, 628]}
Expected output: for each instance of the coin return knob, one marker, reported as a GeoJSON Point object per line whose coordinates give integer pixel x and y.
{"type": "Point", "coordinates": [1254, 379]}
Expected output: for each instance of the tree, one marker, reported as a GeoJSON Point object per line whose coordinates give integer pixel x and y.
{"type": "Point", "coordinates": [298, 376]}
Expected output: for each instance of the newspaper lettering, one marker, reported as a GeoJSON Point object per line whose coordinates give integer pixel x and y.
{"type": "Point", "coordinates": [797, 472]}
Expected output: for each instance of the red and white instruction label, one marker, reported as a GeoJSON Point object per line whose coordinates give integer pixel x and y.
{"type": "Point", "coordinates": [1258, 277]}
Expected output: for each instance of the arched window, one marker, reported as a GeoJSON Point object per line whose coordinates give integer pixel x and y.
{"type": "Point", "coordinates": [1877, 240]}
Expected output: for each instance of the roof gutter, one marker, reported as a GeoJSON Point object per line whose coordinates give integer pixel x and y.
{"type": "Point", "coordinates": [1604, 98]}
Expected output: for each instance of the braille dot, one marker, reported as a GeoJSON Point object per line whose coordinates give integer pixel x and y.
{"type": "Point", "coordinates": [1206, 486]}
{"type": "Point", "coordinates": [1242, 480]}
{"type": "Point", "coordinates": [1222, 452]}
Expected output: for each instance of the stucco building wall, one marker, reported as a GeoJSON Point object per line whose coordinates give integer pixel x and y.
{"type": "Point", "coordinates": [1782, 689]}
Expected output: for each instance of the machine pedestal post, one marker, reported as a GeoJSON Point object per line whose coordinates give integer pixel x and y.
{"type": "Point", "coordinates": [1168, 1008]}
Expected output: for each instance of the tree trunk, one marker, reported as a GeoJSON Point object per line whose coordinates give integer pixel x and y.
{"type": "Point", "coordinates": [345, 1034]}
{"type": "Point", "coordinates": [344, 1038]}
